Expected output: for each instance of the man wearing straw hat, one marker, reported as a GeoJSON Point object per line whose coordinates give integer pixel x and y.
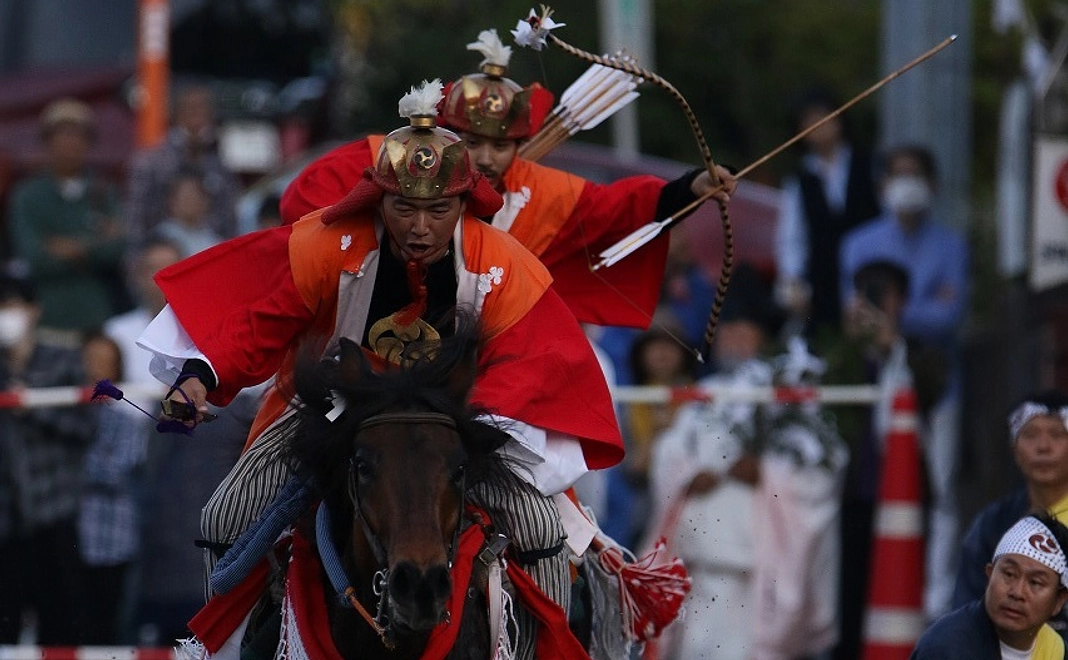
{"type": "Point", "coordinates": [561, 218]}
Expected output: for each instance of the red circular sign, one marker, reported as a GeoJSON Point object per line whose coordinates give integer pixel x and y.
{"type": "Point", "coordinates": [1060, 185]}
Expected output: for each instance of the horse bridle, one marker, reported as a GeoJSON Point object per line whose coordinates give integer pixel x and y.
{"type": "Point", "coordinates": [380, 582]}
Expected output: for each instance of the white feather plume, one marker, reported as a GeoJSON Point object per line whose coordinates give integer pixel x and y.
{"type": "Point", "coordinates": [492, 48]}
{"type": "Point", "coordinates": [422, 100]}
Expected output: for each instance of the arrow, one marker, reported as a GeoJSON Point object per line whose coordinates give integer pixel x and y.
{"type": "Point", "coordinates": [648, 232]}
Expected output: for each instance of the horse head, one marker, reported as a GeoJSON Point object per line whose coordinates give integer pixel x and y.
{"type": "Point", "coordinates": [392, 451]}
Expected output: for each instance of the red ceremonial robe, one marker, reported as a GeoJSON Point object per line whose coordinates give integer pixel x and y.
{"type": "Point", "coordinates": [565, 221]}
{"type": "Point", "coordinates": [249, 302]}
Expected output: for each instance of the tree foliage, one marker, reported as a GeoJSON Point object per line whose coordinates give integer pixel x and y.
{"type": "Point", "coordinates": [740, 63]}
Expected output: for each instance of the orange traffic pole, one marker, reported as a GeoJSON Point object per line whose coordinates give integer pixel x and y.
{"type": "Point", "coordinates": [153, 71]}
{"type": "Point", "coordinates": [894, 619]}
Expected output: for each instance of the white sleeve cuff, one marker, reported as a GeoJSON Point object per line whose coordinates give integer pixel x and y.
{"type": "Point", "coordinates": [551, 462]}
{"type": "Point", "coordinates": [170, 346]}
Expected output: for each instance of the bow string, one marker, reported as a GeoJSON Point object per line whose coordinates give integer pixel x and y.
{"type": "Point", "coordinates": [535, 32]}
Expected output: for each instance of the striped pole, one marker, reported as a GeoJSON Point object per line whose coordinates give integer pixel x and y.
{"type": "Point", "coordinates": [28, 652]}
{"type": "Point", "coordinates": [857, 395]}
{"type": "Point", "coordinates": [895, 620]}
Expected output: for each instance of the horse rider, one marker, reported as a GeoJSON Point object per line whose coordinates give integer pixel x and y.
{"type": "Point", "coordinates": [388, 264]}
{"type": "Point", "coordinates": [560, 217]}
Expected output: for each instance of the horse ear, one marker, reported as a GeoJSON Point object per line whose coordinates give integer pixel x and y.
{"type": "Point", "coordinates": [461, 378]}
{"type": "Point", "coordinates": [352, 361]}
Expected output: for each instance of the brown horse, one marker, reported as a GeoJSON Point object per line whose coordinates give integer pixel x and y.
{"type": "Point", "coordinates": [392, 454]}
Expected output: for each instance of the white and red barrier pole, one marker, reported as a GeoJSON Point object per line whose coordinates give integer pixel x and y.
{"type": "Point", "coordinates": [827, 394]}
{"type": "Point", "coordinates": [27, 652]}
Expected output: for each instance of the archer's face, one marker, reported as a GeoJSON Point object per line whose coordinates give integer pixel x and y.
{"type": "Point", "coordinates": [420, 229]}
{"type": "Point", "coordinates": [492, 156]}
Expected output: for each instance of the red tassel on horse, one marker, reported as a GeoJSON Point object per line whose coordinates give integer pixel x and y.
{"type": "Point", "coordinates": [651, 589]}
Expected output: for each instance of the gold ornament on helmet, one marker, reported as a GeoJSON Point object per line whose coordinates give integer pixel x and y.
{"type": "Point", "coordinates": [421, 160]}
{"type": "Point", "coordinates": [491, 105]}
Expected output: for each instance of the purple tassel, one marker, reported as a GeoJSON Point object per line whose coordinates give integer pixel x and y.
{"type": "Point", "coordinates": [105, 390]}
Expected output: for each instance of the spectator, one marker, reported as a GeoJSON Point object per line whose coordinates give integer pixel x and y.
{"type": "Point", "coordinates": [686, 294]}
{"type": "Point", "coordinates": [190, 146]}
{"type": "Point", "coordinates": [702, 477]}
{"type": "Point", "coordinates": [109, 539]}
{"type": "Point", "coordinates": [124, 329]}
{"type": "Point", "coordinates": [1026, 587]}
{"type": "Point", "coordinates": [832, 192]}
{"type": "Point", "coordinates": [187, 225]}
{"type": "Point", "coordinates": [41, 453]}
{"type": "Point", "coordinates": [658, 357]}
{"type": "Point", "coordinates": [936, 259]}
{"type": "Point", "coordinates": [1038, 430]}
{"type": "Point", "coordinates": [65, 228]}
{"type": "Point", "coordinates": [269, 213]}
{"type": "Point", "coordinates": [171, 575]}
{"type": "Point", "coordinates": [875, 353]}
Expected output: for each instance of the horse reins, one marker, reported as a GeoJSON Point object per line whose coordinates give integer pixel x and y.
{"type": "Point", "coordinates": [380, 584]}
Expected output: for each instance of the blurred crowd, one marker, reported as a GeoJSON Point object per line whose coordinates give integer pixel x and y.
{"type": "Point", "coordinates": [771, 506]}
{"type": "Point", "coordinates": [79, 560]}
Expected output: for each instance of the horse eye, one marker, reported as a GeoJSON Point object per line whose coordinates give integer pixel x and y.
{"type": "Point", "coordinates": [458, 474]}
{"type": "Point", "coordinates": [362, 470]}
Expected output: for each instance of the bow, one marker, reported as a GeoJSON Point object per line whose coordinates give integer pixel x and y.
{"type": "Point", "coordinates": [535, 32]}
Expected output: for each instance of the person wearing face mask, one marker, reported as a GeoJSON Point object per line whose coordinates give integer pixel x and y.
{"type": "Point", "coordinates": [936, 258]}
{"type": "Point", "coordinates": [41, 453]}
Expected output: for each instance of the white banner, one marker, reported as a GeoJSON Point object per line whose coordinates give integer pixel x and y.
{"type": "Point", "coordinates": [1049, 213]}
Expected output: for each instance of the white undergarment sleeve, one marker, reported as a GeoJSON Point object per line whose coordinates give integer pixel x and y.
{"type": "Point", "coordinates": [171, 346]}
{"type": "Point", "coordinates": [549, 461]}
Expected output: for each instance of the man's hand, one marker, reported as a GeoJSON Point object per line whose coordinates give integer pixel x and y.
{"type": "Point", "coordinates": [703, 184]}
{"type": "Point", "coordinates": [197, 394]}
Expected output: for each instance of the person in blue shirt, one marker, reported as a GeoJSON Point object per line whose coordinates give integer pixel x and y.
{"type": "Point", "coordinates": [936, 257]}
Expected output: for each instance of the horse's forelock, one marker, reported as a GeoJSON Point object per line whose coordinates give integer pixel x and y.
{"type": "Point", "coordinates": [323, 447]}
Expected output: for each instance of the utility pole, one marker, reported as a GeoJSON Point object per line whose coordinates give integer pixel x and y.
{"type": "Point", "coordinates": [627, 25]}
{"type": "Point", "coordinates": [932, 104]}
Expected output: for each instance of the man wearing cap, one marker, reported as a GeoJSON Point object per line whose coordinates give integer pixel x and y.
{"type": "Point", "coordinates": [64, 226]}
{"type": "Point", "coordinates": [563, 219]}
{"type": "Point", "coordinates": [1026, 587]}
{"type": "Point", "coordinates": [387, 263]}
{"type": "Point", "coordinates": [1038, 428]}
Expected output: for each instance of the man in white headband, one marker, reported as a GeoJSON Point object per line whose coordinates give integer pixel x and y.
{"type": "Point", "coordinates": [1026, 587]}
{"type": "Point", "coordinates": [1038, 433]}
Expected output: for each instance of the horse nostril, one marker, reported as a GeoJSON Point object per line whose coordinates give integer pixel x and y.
{"type": "Point", "coordinates": [403, 579]}
{"type": "Point", "coordinates": [439, 582]}
{"type": "Point", "coordinates": [407, 582]}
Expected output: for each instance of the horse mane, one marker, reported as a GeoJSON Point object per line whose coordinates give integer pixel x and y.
{"type": "Point", "coordinates": [437, 377]}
